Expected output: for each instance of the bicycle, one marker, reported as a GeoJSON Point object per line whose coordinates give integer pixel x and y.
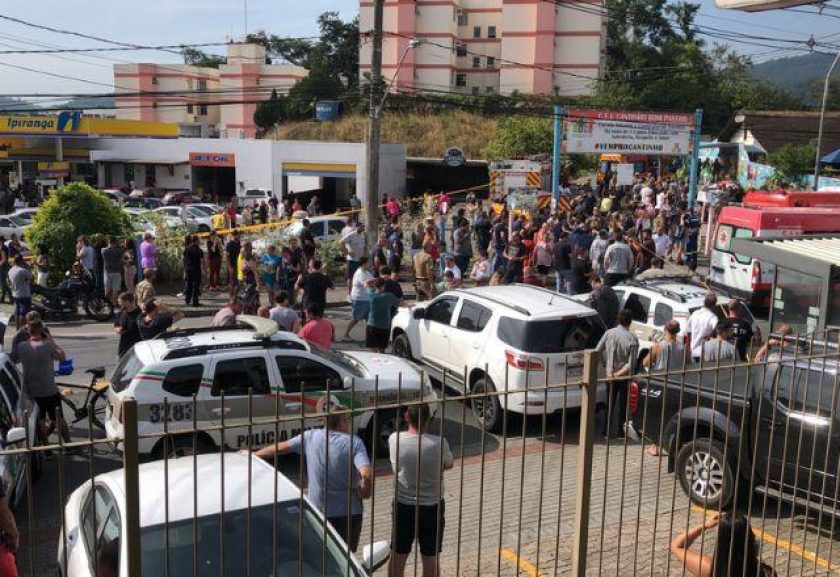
{"type": "Point", "coordinates": [96, 398]}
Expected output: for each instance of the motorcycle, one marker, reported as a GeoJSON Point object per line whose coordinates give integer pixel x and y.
{"type": "Point", "coordinates": [249, 294]}
{"type": "Point", "coordinates": [65, 299]}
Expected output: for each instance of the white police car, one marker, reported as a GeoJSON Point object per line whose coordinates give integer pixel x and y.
{"type": "Point", "coordinates": [18, 423]}
{"type": "Point", "coordinates": [203, 377]}
{"type": "Point", "coordinates": [183, 517]}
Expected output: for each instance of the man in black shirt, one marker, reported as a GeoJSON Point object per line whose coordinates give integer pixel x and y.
{"type": "Point", "coordinates": [126, 323]}
{"type": "Point", "coordinates": [314, 285]}
{"type": "Point", "coordinates": [604, 300]}
{"type": "Point", "coordinates": [193, 257]}
{"type": "Point", "coordinates": [742, 331]}
{"type": "Point", "coordinates": [307, 241]}
{"type": "Point", "coordinates": [156, 319]}
{"type": "Point", "coordinates": [232, 250]}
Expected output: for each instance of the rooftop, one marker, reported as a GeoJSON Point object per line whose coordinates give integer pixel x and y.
{"type": "Point", "coordinates": [772, 129]}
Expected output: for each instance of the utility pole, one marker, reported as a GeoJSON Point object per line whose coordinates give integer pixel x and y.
{"type": "Point", "coordinates": [826, 87]}
{"type": "Point", "coordinates": [372, 198]}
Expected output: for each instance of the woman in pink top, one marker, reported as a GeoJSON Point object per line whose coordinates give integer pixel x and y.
{"type": "Point", "coordinates": [392, 207]}
{"type": "Point", "coordinates": [317, 329]}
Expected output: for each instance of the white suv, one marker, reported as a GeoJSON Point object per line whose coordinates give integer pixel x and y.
{"type": "Point", "coordinates": [192, 369]}
{"type": "Point", "coordinates": [654, 302]}
{"type": "Point", "coordinates": [501, 339]}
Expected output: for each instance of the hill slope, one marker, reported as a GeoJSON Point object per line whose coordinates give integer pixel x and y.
{"type": "Point", "coordinates": [426, 135]}
{"type": "Point", "coordinates": [794, 74]}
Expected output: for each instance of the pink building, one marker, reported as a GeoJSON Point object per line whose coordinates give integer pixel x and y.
{"type": "Point", "coordinates": [204, 101]}
{"type": "Point", "coordinates": [487, 46]}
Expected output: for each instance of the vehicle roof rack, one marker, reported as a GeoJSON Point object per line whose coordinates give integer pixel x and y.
{"type": "Point", "coordinates": [262, 328]}
{"type": "Point", "coordinates": [200, 350]}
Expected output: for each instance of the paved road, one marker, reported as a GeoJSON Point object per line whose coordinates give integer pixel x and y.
{"type": "Point", "coordinates": [504, 496]}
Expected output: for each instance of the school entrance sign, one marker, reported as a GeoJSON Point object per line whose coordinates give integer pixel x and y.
{"type": "Point", "coordinates": [611, 132]}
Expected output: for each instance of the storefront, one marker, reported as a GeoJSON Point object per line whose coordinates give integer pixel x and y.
{"type": "Point", "coordinates": [806, 279]}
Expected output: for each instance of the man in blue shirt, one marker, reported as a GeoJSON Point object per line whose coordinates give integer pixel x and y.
{"type": "Point", "coordinates": [382, 303]}
{"type": "Point", "coordinates": [329, 454]}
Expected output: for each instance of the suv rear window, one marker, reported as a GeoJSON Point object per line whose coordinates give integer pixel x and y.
{"type": "Point", "coordinates": [127, 369]}
{"type": "Point", "coordinates": [551, 336]}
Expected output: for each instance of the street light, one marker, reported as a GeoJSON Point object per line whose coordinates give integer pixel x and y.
{"type": "Point", "coordinates": [822, 121]}
{"type": "Point", "coordinates": [371, 202]}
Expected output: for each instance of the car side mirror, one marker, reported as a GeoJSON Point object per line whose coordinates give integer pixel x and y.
{"type": "Point", "coordinates": [348, 382]}
{"type": "Point", "coordinates": [15, 435]}
{"type": "Point", "coordinates": [375, 555]}
{"type": "Point", "coordinates": [419, 314]}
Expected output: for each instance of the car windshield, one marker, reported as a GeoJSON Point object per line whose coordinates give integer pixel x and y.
{"type": "Point", "coordinates": [339, 358]}
{"type": "Point", "coordinates": [204, 210]}
{"type": "Point", "coordinates": [26, 217]}
{"type": "Point", "coordinates": [288, 555]}
{"type": "Point", "coordinates": [127, 369]}
{"type": "Point", "coordinates": [196, 211]}
{"type": "Point", "coordinates": [18, 220]}
{"type": "Point", "coordinates": [551, 336]}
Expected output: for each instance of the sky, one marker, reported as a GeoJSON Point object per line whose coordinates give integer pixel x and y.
{"type": "Point", "coordinates": [196, 21]}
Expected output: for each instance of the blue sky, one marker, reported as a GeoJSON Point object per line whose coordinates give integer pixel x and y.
{"type": "Point", "coordinates": [177, 21]}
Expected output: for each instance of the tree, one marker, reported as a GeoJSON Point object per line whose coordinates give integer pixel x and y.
{"type": "Point", "coordinates": [195, 57]}
{"type": "Point", "coordinates": [815, 93]}
{"type": "Point", "coordinates": [337, 47]}
{"type": "Point", "coordinates": [73, 210]}
{"type": "Point", "coordinates": [519, 137]}
{"type": "Point", "coordinates": [792, 160]}
{"type": "Point", "coordinates": [270, 113]}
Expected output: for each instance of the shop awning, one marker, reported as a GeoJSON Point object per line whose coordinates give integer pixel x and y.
{"type": "Point", "coordinates": [319, 169]}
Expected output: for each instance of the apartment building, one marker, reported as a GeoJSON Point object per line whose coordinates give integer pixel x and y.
{"type": "Point", "coordinates": [203, 101]}
{"type": "Point", "coordinates": [489, 46]}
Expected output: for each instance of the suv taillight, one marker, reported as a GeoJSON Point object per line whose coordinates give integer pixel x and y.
{"type": "Point", "coordinates": [634, 397]}
{"type": "Point", "coordinates": [756, 274]}
{"type": "Point", "coordinates": [524, 362]}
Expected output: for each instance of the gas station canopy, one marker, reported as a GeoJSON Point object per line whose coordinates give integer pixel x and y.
{"type": "Point", "coordinates": [73, 125]}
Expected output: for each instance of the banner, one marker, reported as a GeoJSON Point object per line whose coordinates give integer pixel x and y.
{"type": "Point", "coordinates": [219, 159]}
{"type": "Point", "coordinates": [624, 174]}
{"type": "Point", "coordinates": [53, 169]}
{"type": "Point", "coordinates": [607, 132]}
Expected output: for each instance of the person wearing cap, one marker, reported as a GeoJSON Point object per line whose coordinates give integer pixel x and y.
{"type": "Point", "coordinates": [338, 470]}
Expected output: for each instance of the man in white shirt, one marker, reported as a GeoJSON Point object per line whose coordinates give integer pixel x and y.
{"type": "Point", "coordinates": [618, 260]}
{"type": "Point", "coordinates": [451, 266]}
{"type": "Point", "coordinates": [359, 301]}
{"type": "Point", "coordinates": [353, 242]}
{"type": "Point", "coordinates": [701, 324]}
{"type": "Point", "coordinates": [662, 242]}
{"type": "Point", "coordinates": [647, 194]}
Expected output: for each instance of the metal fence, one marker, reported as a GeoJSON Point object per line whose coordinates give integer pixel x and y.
{"type": "Point", "coordinates": [549, 495]}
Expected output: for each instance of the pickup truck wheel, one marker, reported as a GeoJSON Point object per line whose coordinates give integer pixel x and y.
{"type": "Point", "coordinates": [705, 475]}
{"type": "Point", "coordinates": [487, 410]}
{"type": "Point", "coordinates": [402, 347]}
{"type": "Point", "coordinates": [387, 422]}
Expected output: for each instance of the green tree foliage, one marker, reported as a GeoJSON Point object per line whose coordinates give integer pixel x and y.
{"type": "Point", "coordinates": [269, 113]}
{"type": "Point", "coordinates": [73, 210]}
{"type": "Point", "coordinates": [656, 61]}
{"type": "Point", "coordinates": [792, 160]}
{"type": "Point", "coordinates": [195, 57]}
{"type": "Point", "coordinates": [815, 93]}
{"type": "Point", "coordinates": [519, 137]}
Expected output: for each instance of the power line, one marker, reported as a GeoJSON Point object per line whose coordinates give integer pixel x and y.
{"type": "Point", "coordinates": [113, 48]}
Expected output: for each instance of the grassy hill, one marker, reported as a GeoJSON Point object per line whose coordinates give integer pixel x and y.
{"type": "Point", "coordinates": [794, 74]}
{"type": "Point", "coordinates": [424, 134]}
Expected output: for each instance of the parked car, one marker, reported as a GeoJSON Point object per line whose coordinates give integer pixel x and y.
{"type": "Point", "coordinates": [198, 365]}
{"type": "Point", "coordinates": [773, 428]}
{"type": "Point", "coordinates": [15, 430]}
{"type": "Point", "coordinates": [176, 197]}
{"type": "Point", "coordinates": [653, 303]}
{"type": "Point", "coordinates": [188, 506]}
{"type": "Point", "coordinates": [197, 220]}
{"type": "Point", "coordinates": [146, 202]}
{"type": "Point", "coordinates": [116, 196]}
{"type": "Point", "coordinates": [252, 197]}
{"type": "Point", "coordinates": [139, 219]}
{"type": "Point", "coordinates": [11, 224]}
{"type": "Point", "coordinates": [501, 338]}
{"type": "Point", "coordinates": [212, 209]}
{"type": "Point", "coordinates": [25, 215]}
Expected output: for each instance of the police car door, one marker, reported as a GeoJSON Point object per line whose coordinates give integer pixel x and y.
{"type": "Point", "coordinates": [307, 384]}
{"type": "Point", "coordinates": [247, 420]}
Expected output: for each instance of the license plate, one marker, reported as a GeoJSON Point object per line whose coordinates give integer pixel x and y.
{"type": "Point", "coordinates": [574, 371]}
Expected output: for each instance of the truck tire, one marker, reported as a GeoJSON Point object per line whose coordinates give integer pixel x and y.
{"type": "Point", "coordinates": [705, 475]}
{"type": "Point", "coordinates": [387, 422]}
{"type": "Point", "coordinates": [487, 410]}
{"type": "Point", "coordinates": [401, 347]}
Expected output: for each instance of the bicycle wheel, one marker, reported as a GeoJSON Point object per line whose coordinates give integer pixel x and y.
{"type": "Point", "coordinates": [97, 406]}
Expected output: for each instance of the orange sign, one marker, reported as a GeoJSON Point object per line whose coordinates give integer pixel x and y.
{"type": "Point", "coordinates": [226, 159]}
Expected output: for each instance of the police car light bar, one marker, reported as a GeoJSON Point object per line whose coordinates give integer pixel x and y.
{"type": "Point", "coordinates": [263, 328]}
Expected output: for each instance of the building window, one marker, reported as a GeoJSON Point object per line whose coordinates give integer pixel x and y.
{"type": "Point", "coordinates": [491, 32]}
{"type": "Point", "coordinates": [461, 80]}
{"type": "Point", "coordinates": [474, 90]}
{"type": "Point", "coordinates": [202, 85]}
{"type": "Point", "coordinates": [461, 50]}
{"type": "Point", "coordinates": [202, 110]}
{"type": "Point", "coordinates": [189, 108]}
{"type": "Point", "coordinates": [491, 62]}
{"type": "Point", "coordinates": [476, 31]}
{"type": "Point", "coordinates": [463, 18]}
{"type": "Point", "coordinates": [154, 80]}
{"type": "Point", "coordinates": [489, 90]}
{"type": "Point", "coordinates": [476, 62]}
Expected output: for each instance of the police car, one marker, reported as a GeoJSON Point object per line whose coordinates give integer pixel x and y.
{"type": "Point", "coordinates": [214, 378]}
{"type": "Point", "coordinates": [186, 531]}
